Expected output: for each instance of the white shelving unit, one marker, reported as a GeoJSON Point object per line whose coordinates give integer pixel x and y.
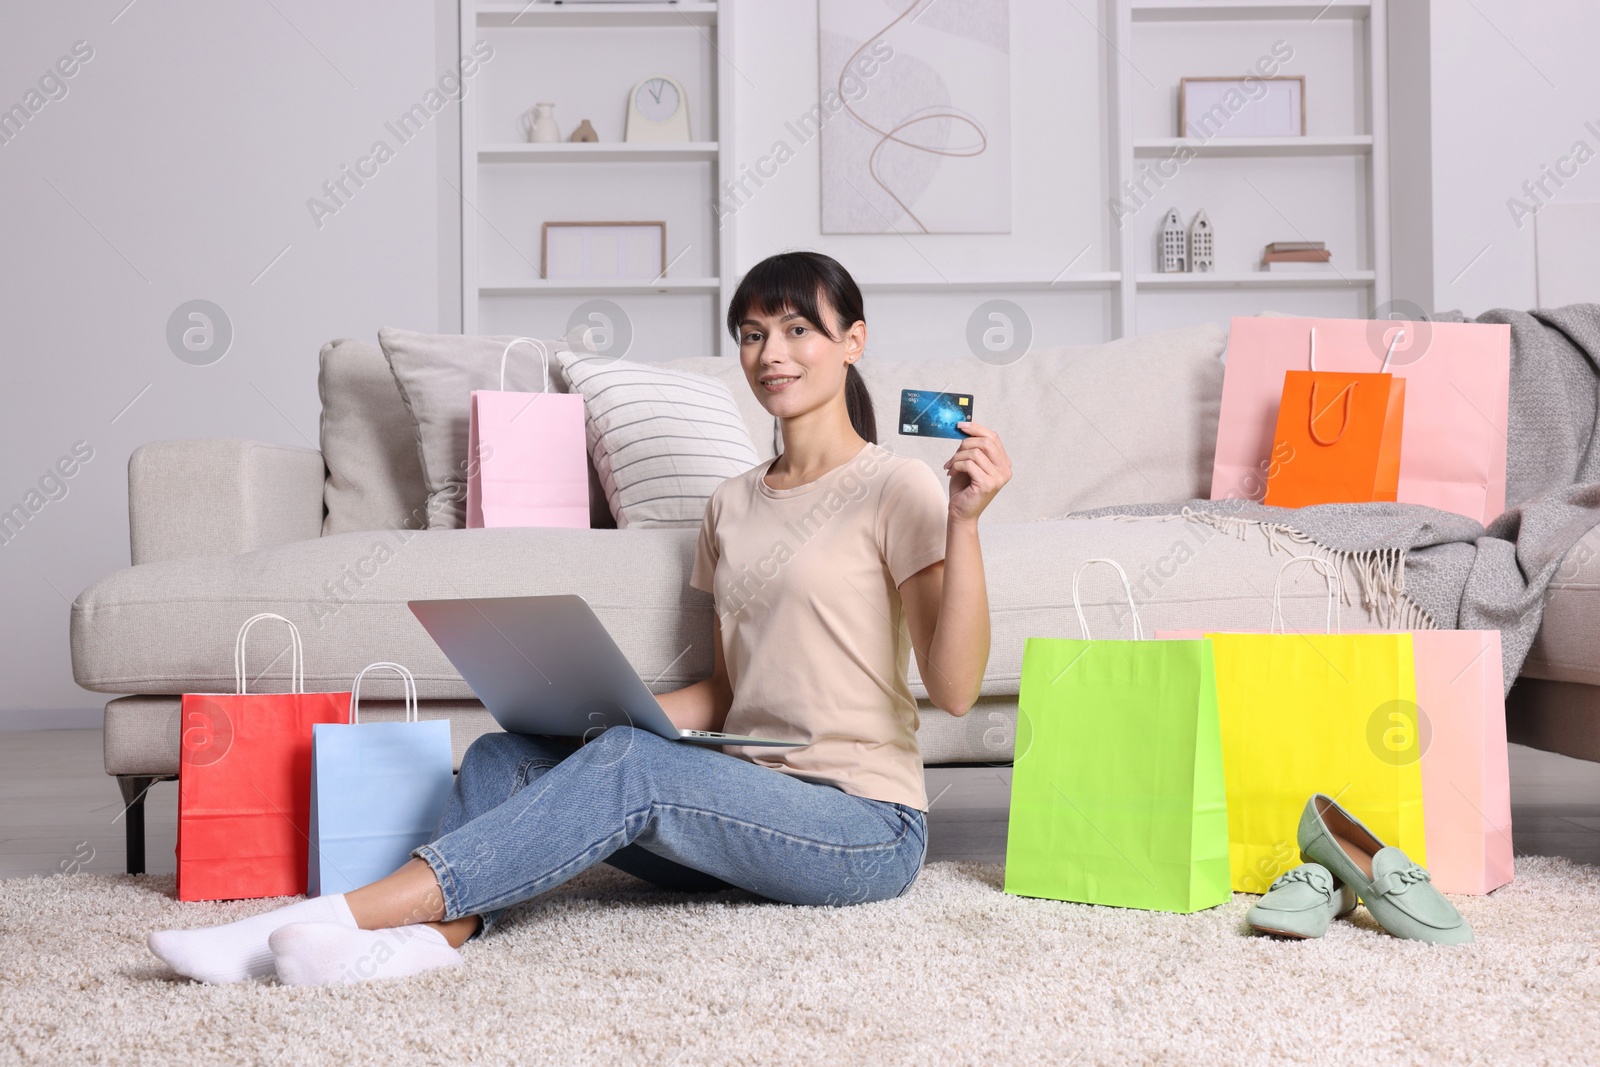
{"type": "Point", "coordinates": [509, 186]}
{"type": "Point", "coordinates": [546, 13]}
{"type": "Point", "coordinates": [1204, 11]}
{"type": "Point", "coordinates": [1329, 279]}
{"type": "Point", "coordinates": [566, 152]}
{"type": "Point", "coordinates": [1256, 146]}
{"type": "Point", "coordinates": [587, 56]}
{"type": "Point", "coordinates": [997, 284]}
{"type": "Point", "coordinates": [1130, 149]}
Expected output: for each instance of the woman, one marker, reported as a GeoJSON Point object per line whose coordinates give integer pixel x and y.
{"type": "Point", "coordinates": [824, 564]}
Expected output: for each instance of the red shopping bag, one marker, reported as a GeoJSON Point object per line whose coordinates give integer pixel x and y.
{"type": "Point", "coordinates": [530, 451]}
{"type": "Point", "coordinates": [244, 783]}
{"type": "Point", "coordinates": [1457, 375]}
{"type": "Point", "coordinates": [1338, 436]}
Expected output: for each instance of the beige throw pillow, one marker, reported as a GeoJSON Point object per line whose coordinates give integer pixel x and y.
{"type": "Point", "coordinates": [369, 444]}
{"type": "Point", "coordinates": [436, 374]}
{"type": "Point", "coordinates": [1086, 426]}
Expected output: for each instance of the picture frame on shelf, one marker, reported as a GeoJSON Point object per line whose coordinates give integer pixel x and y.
{"type": "Point", "coordinates": [1231, 107]}
{"type": "Point", "coordinates": [603, 251]}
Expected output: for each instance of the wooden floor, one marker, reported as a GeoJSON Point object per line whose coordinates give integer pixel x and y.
{"type": "Point", "coordinates": [60, 812]}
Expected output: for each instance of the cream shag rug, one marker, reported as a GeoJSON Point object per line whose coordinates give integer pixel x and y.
{"type": "Point", "coordinates": [608, 970]}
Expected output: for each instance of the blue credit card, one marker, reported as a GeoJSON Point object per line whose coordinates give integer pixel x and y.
{"type": "Point", "coordinates": [924, 413]}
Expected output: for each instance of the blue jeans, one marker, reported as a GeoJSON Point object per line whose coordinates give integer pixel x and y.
{"type": "Point", "coordinates": [528, 813]}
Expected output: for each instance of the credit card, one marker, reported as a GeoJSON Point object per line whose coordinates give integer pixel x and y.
{"type": "Point", "coordinates": [924, 413]}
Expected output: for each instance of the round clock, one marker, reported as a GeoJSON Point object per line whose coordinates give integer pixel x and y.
{"type": "Point", "coordinates": [658, 110]}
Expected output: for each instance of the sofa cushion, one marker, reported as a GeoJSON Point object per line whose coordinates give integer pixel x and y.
{"type": "Point", "coordinates": [1567, 646]}
{"type": "Point", "coordinates": [1089, 426]}
{"type": "Point", "coordinates": [436, 374]}
{"type": "Point", "coordinates": [369, 443]}
{"type": "Point", "coordinates": [660, 438]}
{"type": "Point", "coordinates": [169, 627]}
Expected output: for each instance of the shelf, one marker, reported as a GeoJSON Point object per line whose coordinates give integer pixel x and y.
{"type": "Point", "coordinates": [1312, 10]}
{"type": "Point", "coordinates": [1102, 280]}
{"type": "Point", "coordinates": [616, 152]}
{"type": "Point", "coordinates": [1256, 146]}
{"type": "Point", "coordinates": [1259, 280]}
{"type": "Point", "coordinates": [580, 288]}
{"type": "Point", "coordinates": [544, 13]}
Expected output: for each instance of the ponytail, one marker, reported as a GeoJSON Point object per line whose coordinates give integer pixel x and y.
{"type": "Point", "coordinates": [858, 402]}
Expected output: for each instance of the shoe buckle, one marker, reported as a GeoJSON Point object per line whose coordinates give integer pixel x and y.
{"type": "Point", "coordinates": [1303, 874]}
{"type": "Point", "coordinates": [1397, 881]}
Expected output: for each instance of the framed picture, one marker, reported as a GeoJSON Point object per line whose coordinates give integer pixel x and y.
{"type": "Point", "coordinates": [1242, 107]}
{"type": "Point", "coordinates": [603, 251]}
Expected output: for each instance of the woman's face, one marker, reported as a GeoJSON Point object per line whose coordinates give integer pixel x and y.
{"type": "Point", "coordinates": [791, 365]}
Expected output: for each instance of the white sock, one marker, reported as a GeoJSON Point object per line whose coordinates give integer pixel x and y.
{"type": "Point", "coordinates": [328, 954]}
{"type": "Point", "coordinates": [239, 950]}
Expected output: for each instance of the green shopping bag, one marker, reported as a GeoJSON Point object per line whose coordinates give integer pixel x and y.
{"type": "Point", "coordinates": [1116, 790]}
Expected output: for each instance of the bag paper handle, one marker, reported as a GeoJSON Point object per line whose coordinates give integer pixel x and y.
{"type": "Point", "coordinates": [1127, 587]}
{"type": "Point", "coordinates": [1334, 623]}
{"type": "Point", "coordinates": [297, 661]}
{"type": "Point", "coordinates": [544, 357]}
{"type": "Point", "coordinates": [1349, 394]}
{"type": "Point", "coordinates": [405, 676]}
{"type": "Point", "coordinates": [1399, 335]}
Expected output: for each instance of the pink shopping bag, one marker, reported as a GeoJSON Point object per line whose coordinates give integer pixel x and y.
{"type": "Point", "coordinates": [1458, 731]}
{"type": "Point", "coordinates": [530, 453]}
{"type": "Point", "coordinates": [1466, 784]}
{"type": "Point", "coordinates": [1457, 383]}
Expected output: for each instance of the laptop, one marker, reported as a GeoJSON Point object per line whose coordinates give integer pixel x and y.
{"type": "Point", "coordinates": [546, 665]}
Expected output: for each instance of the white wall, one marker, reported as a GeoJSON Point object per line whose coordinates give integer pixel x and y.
{"type": "Point", "coordinates": [1506, 90]}
{"type": "Point", "coordinates": [177, 166]}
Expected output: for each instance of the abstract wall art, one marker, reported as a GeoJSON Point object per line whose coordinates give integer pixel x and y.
{"type": "Point", "coordinates": [916, 97]}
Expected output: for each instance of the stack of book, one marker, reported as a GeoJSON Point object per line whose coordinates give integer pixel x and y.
{"type": "Point", "coordinates": [1295, 256]}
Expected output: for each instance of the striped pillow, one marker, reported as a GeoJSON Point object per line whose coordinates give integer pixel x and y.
{"type": "Point", "coordinates": [661, 439]}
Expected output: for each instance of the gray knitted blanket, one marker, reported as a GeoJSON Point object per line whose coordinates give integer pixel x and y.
{"type": "Point", "coordinates": [1421, 568]}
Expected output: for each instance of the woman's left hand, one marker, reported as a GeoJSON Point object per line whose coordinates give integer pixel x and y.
{"type": "Point", "coordinates": [977, 471]}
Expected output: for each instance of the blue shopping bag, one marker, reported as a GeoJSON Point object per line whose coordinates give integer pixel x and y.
{"type": "Point", "coordinates": [377, 792]}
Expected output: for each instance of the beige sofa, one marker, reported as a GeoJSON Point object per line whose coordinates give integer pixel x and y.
{"type": "Point", "coordinates": [222, 529]}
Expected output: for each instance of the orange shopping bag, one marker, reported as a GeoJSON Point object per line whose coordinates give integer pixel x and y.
{"type": "Point", "coordinates": [244, 783]}
{"type": "Point", "coordinates": [1338, 436]}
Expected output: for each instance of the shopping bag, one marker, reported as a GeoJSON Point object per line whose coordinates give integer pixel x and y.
{"type": "Point", "coordinates": [244, 781]}
{"type": "Point", "coordinates": [1338, 436]}
{"type": "Point", "coordinates": [1459, 736]}
{"type": "Point", "coordinates": [1457, 378]}
{"type": "Point", "coordinates": [377, 791]}
{"type": "Point", "coordinates": [1117, 783]}
{"type": "Point", "coordinates": [1306, 713]}
{"type": "Point", "coordinates": [526, 455]}
{"type": "Point", "coordinates": [1461, 744]}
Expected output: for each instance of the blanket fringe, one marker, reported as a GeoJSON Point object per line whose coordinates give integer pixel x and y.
{"type": "Point", "coordinates": [1380, 572]}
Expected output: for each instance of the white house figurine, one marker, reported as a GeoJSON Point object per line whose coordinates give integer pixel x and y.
{"type": "Point", "coordinates": [1200, 244]}
{"type": "Point", "coordinates": [1174, 248]}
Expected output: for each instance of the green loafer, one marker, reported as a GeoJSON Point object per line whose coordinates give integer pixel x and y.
{"type": "Point", "coordinates": [1398, 893]}
{"type": "Point", "coordinates": [1301, 903]}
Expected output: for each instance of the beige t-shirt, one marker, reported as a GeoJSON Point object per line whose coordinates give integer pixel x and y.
{"type": "Point", "coordinates": [806, 584]}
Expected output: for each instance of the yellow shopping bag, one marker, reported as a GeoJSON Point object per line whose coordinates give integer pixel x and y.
{"type": "Point", "coordinates": [1306, 713]}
